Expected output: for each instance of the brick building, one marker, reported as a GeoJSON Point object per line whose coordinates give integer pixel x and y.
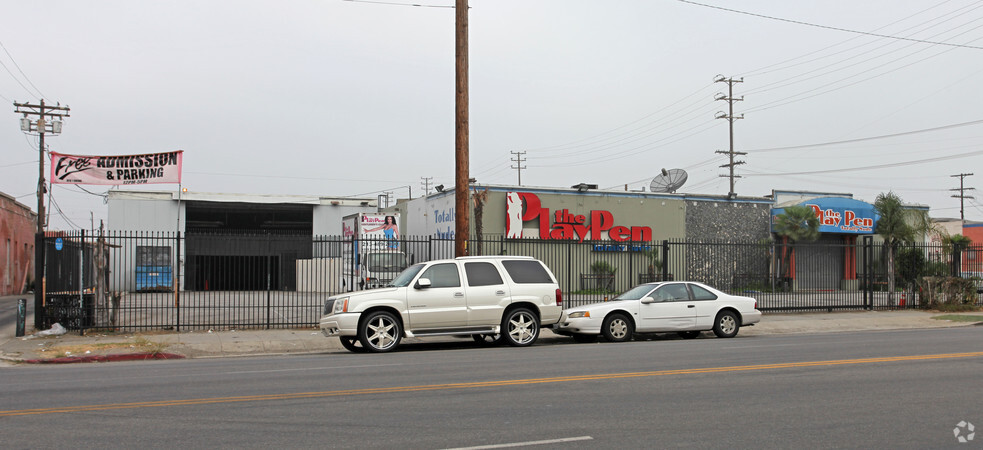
{"type": "Point", "coordinates": [17, 227]}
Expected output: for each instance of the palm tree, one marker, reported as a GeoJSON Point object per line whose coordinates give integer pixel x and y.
{"type": "Point", "coordinates": [895, 225]}
{"type": "Point", "coordinates": [797, 223]}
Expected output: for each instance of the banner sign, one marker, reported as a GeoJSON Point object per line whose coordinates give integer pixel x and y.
{"type": "Point", "coordinates": [153, 168]}
{"type": "Point", "coordinates": [839, 215]}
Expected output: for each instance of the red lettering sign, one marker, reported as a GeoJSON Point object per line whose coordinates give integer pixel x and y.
{"type": "Point", "coordinates": [523, 207]}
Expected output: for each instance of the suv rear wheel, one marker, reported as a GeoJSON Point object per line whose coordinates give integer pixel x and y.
{"type": "Point", "coordinates": [520, 327]}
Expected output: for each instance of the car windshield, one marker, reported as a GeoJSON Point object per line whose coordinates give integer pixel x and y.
{"type": "Point", "coordinates": [405, 277]}
{"type": "Point", "coordinates": [385, 262]}
{"type": "Point", "coordinates": [637, 292]}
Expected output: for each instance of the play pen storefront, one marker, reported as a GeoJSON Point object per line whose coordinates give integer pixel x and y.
{"type": "Point", "coordinates": [830, 262]}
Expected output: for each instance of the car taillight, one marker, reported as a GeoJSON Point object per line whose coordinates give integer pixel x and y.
{"type": "Point", "coordinates": [559, 297]}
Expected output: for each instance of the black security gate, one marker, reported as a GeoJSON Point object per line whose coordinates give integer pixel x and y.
{"type": "Point", "coordinates": [139, 281]}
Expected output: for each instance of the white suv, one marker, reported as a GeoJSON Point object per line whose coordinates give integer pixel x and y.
{"type": "Point", "coordinates": [491, 298]}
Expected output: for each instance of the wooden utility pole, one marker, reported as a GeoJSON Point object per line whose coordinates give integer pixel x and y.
{"type": "Point", "coordinates": [962, 194]}
{"type": "Point", "coordinates": [518, 164]}
{"type": "Point", "coordinates": [48, 120]}
{"type": "Point", "coordinates": [461, 229]}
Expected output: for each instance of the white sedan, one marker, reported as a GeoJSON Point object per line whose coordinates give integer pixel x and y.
{"type": "Point", "coordinates": [683, 307]}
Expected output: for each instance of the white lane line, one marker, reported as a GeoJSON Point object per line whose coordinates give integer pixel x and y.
{"type": "Point", "coordinates": [527, 443]}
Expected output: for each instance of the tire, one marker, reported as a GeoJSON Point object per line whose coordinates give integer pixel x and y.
{"type": "Point", "coordinates": [689, 334]}
{"type": "Point", "coordinates": [487, 339]}
{"type": "Point", "coordinates": [617, 328]}
{"type": "Point", "coordinates": [380, 332]}
{"type": "Point", "coordinates": [726, 325]}
{"type": "Point", "coordinates": [350, 342]}
{"type": "Point", "coordinates": [585, 338]}
{"type": "Point", "coordinates": [520, 327]}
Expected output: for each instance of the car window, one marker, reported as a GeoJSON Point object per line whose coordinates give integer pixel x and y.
{"type": "Point", "coordinates": [527, 271]}
{"type": "Point", "coordinates": [442, 275]}
{"type": "Point", "coordinates": [404, 277]}
{"type": "Point", "coordinates": [482, 274]}
{"type": "Point", "coordinates": [637, 292]}
{"type": "Point", "coordinates": [700, 293]}
{"type": "Point", "coordinates": [672, 292]}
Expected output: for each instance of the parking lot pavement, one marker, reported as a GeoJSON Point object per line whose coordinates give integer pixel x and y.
{"type": "Point", "coordinates": [95, 346]}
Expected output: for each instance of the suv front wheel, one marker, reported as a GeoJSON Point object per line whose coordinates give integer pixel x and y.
{"type": "Point", "coordinates": [520, 327]}
{"type": "Point", "coordinates": [380, 332]}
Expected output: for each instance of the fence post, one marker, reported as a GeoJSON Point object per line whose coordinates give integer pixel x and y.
{"type": "Point", "coordinates": [175, 283]}
{"type": "Point", "coordinates": [39, 311]}
{"type": "Point", "coordinates": [269, 275]}
{"type": "Point", "coordinates": [665, 260]}
{"type": "Point", "coordinates": [868, 275]}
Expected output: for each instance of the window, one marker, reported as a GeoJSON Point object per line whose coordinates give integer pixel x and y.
{"type": "Point", "coordinates": [527, 271]}
{"type": "Point", "coordinates": [702, 294]}
{"type": "Point", "coordinates": [153, 256]}
{"type": "Point", "coordinates": [442, 275]}
{"type": "Point", "coordinates": [482, 274]}
{"type": "Point", "coordinates": [672, 292]}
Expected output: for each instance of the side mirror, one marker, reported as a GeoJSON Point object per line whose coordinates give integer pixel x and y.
{"type": "Point", "coordinates": [422, 283]}
{"type": "Point", "coordinates": [647, 300]}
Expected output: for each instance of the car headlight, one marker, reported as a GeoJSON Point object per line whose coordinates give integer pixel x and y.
{"type": "Point", "coordinates": [579, 314]}
{"type": "Point", "coordinates": [341, 305]}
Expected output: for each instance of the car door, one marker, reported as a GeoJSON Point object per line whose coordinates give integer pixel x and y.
{"type": "Point", "coordinates": [441, 305]}
{"type": "Point", "coordinates": [706, 306]}
{"type": "Point", "coordinates": [672, 310]}
{"type": "Point", "coordinates": [487, 293]}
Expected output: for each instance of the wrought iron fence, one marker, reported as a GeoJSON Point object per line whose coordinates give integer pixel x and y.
{"type": "Point", "coordinates": [133, 281]}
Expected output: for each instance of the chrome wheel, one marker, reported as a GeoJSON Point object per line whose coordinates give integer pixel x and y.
{"type": "Point", "coordinates": [380, 332]}
{"type": "Point", "coordinates": [522, 327]}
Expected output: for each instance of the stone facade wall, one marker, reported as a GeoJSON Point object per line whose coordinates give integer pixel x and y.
{"type": "Point", "coordinates": [738, 259]}
{"type": "Point", "coordinates": [727, 221]}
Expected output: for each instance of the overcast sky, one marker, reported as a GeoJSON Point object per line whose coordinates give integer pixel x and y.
{"type": "Point", "coordinates": [343, 98]}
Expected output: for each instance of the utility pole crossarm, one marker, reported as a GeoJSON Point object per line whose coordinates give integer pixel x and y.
{"type": "Point", "coordinates": [41, 113]}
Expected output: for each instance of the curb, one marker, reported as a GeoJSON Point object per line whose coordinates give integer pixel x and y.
{"type": "Point", "coordinates": [104, 358]}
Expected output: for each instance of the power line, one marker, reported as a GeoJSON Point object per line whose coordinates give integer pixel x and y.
{"type": "Point", "coordinates": [832, 28]}
{"type": "Point", "coordinates": [877, 166]}
{"type": "Point", "coordinates": [399, 4]}
{"type": "Point", "coordinates": [884, 136]}
{"type": "Point", "coordinates": [40, 94]}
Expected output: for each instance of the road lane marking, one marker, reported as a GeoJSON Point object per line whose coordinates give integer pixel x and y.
{"type": "Point", "coordinates": [527, 443]}
{"type": "Point", "coordinates": [480, 384]}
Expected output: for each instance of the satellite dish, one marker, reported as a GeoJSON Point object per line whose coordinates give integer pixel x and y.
{"type": "Point", "coordinates": [668, 180]}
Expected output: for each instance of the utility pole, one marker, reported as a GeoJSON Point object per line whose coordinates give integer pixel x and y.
{"type": "Point", "coordinates": [962, 194]}
{"type": "Point", "coordinates": [729, 98]}
{"type": "Point", "coordinates": [461, 200]}
{"type": "Point", "coordinates": [41, 125]}
{"type": "Point", "coordinates": [426, 185]}
{"type": "Point", "coordinates": [518, 164]}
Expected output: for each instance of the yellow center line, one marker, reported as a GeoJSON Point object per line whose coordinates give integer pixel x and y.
{"type": "Point", "coordinates": [479, 384]}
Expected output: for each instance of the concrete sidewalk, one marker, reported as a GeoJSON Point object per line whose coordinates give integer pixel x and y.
{"type": "Point", "coordinates": [72, 347]}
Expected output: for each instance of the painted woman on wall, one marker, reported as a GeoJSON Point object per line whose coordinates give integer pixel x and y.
{"type": "Point", "coordinates": [391, 231]}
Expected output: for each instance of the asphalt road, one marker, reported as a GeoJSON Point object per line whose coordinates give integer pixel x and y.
{"type": "Point", "coordinates": [899, 389]}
